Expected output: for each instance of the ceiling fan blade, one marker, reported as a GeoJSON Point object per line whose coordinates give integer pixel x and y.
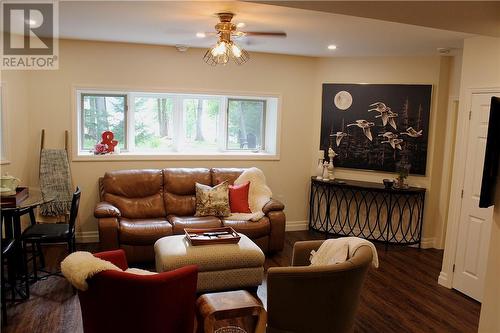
{"type": "Point", "coordinates": [264, 33]}
{"type": "Point", "coordinates": [211, 33]}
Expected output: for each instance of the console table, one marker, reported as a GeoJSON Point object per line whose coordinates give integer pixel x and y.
{"type": "Point", "coordinates": [367, 210]}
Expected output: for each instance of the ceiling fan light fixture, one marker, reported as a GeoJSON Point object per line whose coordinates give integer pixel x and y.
{"type": "Point", "coordinates": [219, 48]}
{"type": "Point", "coordinates": [220, 53]}
{"type": "Point", "coordinates": [236, 50]}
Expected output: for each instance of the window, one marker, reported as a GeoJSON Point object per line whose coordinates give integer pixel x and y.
{"type": "Point", "coordinates": [103, 113]}
{"type": "Point", "coordinates": [171, 124]}
{"type": "Point", "coordinates": [153, 123]}
{"type": "Point", "coordinates": [245, 128]}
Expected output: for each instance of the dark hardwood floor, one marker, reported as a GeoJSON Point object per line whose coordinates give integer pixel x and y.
{"type": "Point", "coordinates": [402, 295]}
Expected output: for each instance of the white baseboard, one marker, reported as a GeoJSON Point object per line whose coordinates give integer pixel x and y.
{"type": "Point", "coordinates": [427, 243]}
{"type": "Point", "coordinates": [296, 225]}
{"type": "Point", "coordinates": [87, 237]}
{"type": "Point", "coordinates": [443, 280]}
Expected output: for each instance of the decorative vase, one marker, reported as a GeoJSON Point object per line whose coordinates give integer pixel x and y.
{"type": "Point", "coordinates": [331, 155]}
{"type": "Point", "coordinates": [319, 169]}
{"type": "Point", "coordinates": [330, 170]}
{"type": "Point", "coordinates": [325, 171]}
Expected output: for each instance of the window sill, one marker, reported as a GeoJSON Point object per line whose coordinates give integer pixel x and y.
{"type": "Point", "coordinates": [4, 162]}
{"type": "Point", "coordinates": [218, 156]}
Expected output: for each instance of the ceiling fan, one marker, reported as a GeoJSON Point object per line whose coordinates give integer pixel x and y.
{"type": "Point", "coordinates": [225, 48]}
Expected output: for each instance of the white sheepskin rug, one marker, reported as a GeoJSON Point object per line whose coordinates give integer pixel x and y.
{"type": "Point", "coordinates": [79, 266]}
{"type": "Point", "coordinates": [337, 250]}
{"type": "Point", "coordinates": [258, 194]}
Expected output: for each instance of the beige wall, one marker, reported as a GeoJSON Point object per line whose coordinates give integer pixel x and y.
{"type": "Point", "coordinates": [297, 79]}
{"type": "Point", "coordinates": [417, 70]}
{"type": "Point", "coordinates": [115, 65]}
{"type": "Point", "coordinates": [17, 123]}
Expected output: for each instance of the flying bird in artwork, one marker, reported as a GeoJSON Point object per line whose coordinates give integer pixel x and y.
{"type": "Point", "coordinates": [391, 118]}
{"type": "Point", "coordinates": [378, 106]}
{"type": "Point", "coordinates": [389, 135]}
{"type": "Point", "coordinates": [365, 126]}
{"type": "Point", "coordinates": [382, 109]}
{"type": "Point", "coordinates": [395, 143]}
{"type": "Point", "coordinates": [339, 136]}
{"type": "Point", "coordinates": [410, 131]}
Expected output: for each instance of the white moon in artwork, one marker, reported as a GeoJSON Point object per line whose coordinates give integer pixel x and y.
{"type": "Point", "coordinates": [343, 100]}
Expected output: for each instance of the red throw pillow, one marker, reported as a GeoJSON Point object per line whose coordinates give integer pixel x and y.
{"type": "Point", "coordinates": [238, 198]}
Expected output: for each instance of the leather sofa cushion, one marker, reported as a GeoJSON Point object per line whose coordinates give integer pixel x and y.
{"type": "Point", "coordinates": [181, 181]}
{"type": "Point", "coordinates": [133, 183]}
{"type": "Point", "coordinates": [181, 205]}
{"type": "Point", "coordinates": [143, 231]}
{"type": "Point", "coordinates": [221, 174]}
{"type": "Point", "coordinates": [181, 222]}
{"type": "Point", "coordinates": [137, 208]}
{"type": "Point", "coordinates": [136, 193]}
{"type": "Point", "coordinates": [253, 229]}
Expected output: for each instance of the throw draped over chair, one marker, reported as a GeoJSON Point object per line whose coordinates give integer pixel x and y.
{"type": "Point", "coordinates": [123, 302]}
{"type": "Point", "coordinates": [306, 299]}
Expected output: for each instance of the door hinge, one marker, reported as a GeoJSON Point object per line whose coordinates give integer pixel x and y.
{"type": "Point", "coordinates": [470, 114]}
{"type": "Point", "coordinates": [462, 194]}
{"type": "Point", "coordinates": [453, 270]}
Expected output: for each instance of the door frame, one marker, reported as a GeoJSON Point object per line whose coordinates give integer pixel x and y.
{"type": "Point", "coordinates": [455, 206]}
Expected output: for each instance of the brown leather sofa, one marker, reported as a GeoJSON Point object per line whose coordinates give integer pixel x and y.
{"type": "Point", "coordinates": [140, 206]}
{"type": "Point", "coordinates": [306, 299]}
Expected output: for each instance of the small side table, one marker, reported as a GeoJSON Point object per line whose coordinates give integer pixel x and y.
{"type": "Point", "coordinates": [229, 305]}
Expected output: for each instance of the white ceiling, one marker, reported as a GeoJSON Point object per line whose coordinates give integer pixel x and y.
{"type": "Point", "coordinates": [309, 32]}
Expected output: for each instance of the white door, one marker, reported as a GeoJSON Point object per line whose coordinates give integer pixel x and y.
{"type": "Point", "coordinates": [475, 223]}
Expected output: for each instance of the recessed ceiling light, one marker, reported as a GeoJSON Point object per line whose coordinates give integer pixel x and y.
{"type": "Point", "coordinates": [241, 25]}
{"type": "Point", "coordinates": [201, 35]}
{"type": "Point", "coordinates": [332, 47]}
{"type": "Point", "coordinates": [32, 22]}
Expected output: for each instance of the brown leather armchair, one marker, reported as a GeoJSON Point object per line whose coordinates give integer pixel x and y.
{"type": "Point", "coordinates": [310, 299]}
{"type": "Point", "coordinates": [138, 207]}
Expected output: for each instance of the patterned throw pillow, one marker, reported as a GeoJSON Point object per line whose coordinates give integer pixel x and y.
{"type": "Point", "coordinates": [212, 201]}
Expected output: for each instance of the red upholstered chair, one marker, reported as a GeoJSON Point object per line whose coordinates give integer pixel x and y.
{"type": "Point", "coordinates": [124, 302]}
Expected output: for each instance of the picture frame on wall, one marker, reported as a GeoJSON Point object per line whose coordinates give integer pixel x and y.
{"type": "Point", "coordinates": [377, 126]}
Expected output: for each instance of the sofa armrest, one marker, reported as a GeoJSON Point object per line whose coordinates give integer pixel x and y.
{"type": "Point", "coordinates": [277, 221]}
{"type": "Point", "coordinates": [273, 205]}
{"type": "Point", "coordinates": [108, 233]}
{"type": "Point", "coordinates": [116, 257]}
{"type": "Point", "coordinates": [302, 252]}
{"type": "Point", "coordinates": [105, 209]}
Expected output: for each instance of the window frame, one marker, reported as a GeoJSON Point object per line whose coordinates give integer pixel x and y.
{"type": "Point", "coordinates": [270, 149]}
{"type": "Point", "coordinates": [82, 118]}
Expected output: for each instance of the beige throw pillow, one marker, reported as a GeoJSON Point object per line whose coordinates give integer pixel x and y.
{"type": "Point", "coordinates": [212, 201]}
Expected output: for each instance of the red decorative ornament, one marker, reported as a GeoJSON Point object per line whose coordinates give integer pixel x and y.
{"type": "Point", "coordinates": [107, 139]}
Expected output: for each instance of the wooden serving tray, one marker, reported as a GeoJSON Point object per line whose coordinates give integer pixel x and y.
{"type": "Point", "coordinates": [13, 200]}
{"type": "Point", "coordinates": [212, 236]}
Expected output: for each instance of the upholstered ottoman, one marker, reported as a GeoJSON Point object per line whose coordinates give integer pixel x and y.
{"type": "Point", "coordinates": [220, 267]}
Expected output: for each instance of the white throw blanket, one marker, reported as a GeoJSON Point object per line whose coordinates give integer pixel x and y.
{"type": "Point", "coordinates": [258, 194]}
{"type": "Point", "coordinates": [81, 265]}
{"type": "Point", "coordinates": [337, 250]}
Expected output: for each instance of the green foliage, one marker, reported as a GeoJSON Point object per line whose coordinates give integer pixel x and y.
{"type": "Point", "coordinates": [149, 126]}
{"type": "Point", "coordinates": [245, 117]}
{"type": "Point", "coordinates": [103, 113]}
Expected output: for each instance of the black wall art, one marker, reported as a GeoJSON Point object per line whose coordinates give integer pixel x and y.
{"type": "Point", "coordinates": [377, 126]}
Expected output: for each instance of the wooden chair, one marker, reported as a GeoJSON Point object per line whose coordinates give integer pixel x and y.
{"type": "Point", "coordinates": [50, 233]}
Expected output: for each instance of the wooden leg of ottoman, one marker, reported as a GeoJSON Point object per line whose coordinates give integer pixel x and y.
{"type": "Point", "coordinates": [229, 305]}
